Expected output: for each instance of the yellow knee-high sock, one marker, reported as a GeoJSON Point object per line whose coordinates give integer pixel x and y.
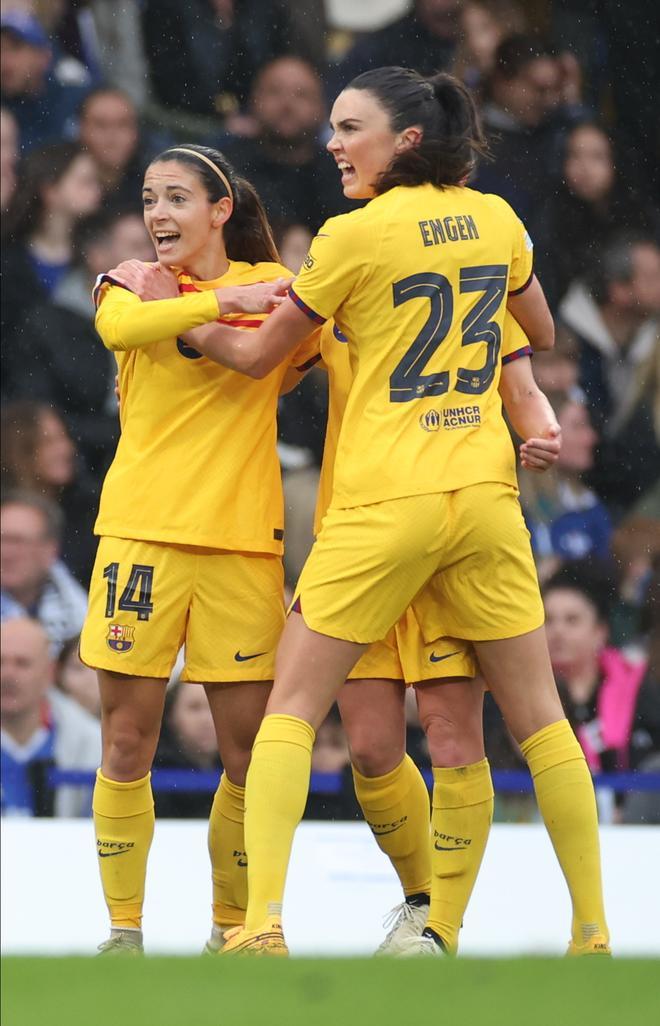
{"type": "Point", "coordinates": [124, 824]}
{"type": "Point", "coordinates": [275, 795]}
{"type": "Point", "coordinates": [227, 851]}
{"type": "Point", "coordinates": [565, 793]}
{"type": "Point", "coordinates": [396, 807]}
{"type": "Point", "coordinates": [460, 824]}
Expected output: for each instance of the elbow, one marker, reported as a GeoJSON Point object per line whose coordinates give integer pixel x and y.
{"type": "Point", "coordinates": [546, 338]}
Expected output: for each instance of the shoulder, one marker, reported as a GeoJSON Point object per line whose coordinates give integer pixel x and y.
{"type": "Point", "coordinates": [267, 270]}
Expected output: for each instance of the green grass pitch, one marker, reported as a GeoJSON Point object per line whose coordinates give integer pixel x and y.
{"type": "Point", "coordinates": [329, 992]}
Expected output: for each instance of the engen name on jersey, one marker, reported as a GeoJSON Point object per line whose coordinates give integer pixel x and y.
{"type": "Point", "coordinates": [437, 230]}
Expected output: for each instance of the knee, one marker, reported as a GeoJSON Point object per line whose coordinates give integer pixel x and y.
{"type": "Point", "coordinates": [235, 765]}
{"type": "Point", "coordinates": [453, 743]}
{"type": "Point", "coordinates": [374, 754]}
{"type": "Point", "coordinates": [128, 751]}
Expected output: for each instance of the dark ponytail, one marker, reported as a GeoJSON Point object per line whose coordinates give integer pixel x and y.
{"type": "Point", "coordinates": [452, 135]}
{"type": "Point", "coordinates": [247, 234]}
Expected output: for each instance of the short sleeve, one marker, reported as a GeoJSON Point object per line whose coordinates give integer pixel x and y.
{"type": "Point", "coordinates": [514, 340]}
{"type": "Point", "coordinates": [522, 260]}
{"type": "Point", "coordinates": [331, 269]}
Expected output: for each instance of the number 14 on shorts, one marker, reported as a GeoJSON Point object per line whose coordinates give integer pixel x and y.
{"type": "Point", "coordinates": [136, 596]}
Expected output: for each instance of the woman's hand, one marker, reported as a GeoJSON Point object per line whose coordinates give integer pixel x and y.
{"type": "Point", "coordinates": [260, 298]}
{"type": "Point", "coordinates": [148, 281]}
{"type": "Point", "coordinates": [539, 454]}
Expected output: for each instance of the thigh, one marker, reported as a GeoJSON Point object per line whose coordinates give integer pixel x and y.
{"type": "Point", "coordinates": [237, 711]}
{"type": "Point", "coordinates": [368, 563]}
{"type": "Point", "coordinates": [521, 681]}
{"type": "Point", "coordinates": [236, 618]}
{"type": "Point", "coordinates": [310, 669]}
{"type": "Point", "coordinates": [487, 588]}
{"type": "Point", "coordinates": [138, 605]}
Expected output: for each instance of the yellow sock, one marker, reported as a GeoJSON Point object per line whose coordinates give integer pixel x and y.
{"type": "Point", "coordinates": [275, 796]}
{"type": "Point", "coordinates": [565, 793]}
{"type": "Point", "coordinates": [396, 807]}
{"type": "Point", "coordinates": [124, 824]}
{"type": "Point", "coordinates": [460, 824]}
{"type": "Point", "coordinates": [227, 851]}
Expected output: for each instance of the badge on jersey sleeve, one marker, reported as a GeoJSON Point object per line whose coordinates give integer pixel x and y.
{"type": "Point", "coordinates": [120, 637]}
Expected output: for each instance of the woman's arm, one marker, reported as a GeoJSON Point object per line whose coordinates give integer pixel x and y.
{"type": "Point", "coordinates": [532, 312]}
{"type": "Point", "coordinates": [124, 325]}
{"type": "Point", "coordinates": [531, 415]}
{"type": "Point", "coordinates": [255, 353]}
{"type": "Point", "coordinates": [124, 322]}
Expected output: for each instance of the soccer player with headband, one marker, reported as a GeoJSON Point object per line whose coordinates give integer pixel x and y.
{"type": "Point", "coordinates": [190, 521]}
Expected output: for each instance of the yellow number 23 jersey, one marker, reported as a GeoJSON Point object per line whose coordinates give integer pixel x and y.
{"type": "Point", "coordinates": [417, 281]}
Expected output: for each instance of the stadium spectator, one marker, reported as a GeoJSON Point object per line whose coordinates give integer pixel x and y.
{"type": "Point", "coordinates": [599, 684]}
{"type": "Point", "coordinates": [579, 216]}
{"type": "Point", "coordinates": [613, 321]}
{"type": "Point", "coordinates": [636, 547]}
{"type": "Point", "coordinates": [57, 185]}
{"type": "Point", "coordinates": [39, 456]}
{"type": "Point", "coordinates": [108, 129]}
{"type": "Point", "coordinates": [33, 580]}
{"type": "Point", "coordinates": [55, 356]}
{"type": "Point", "coordinates": [525, 114]}
{"type": "Point", "coordinates": [424, 39]}
{"type": "Point", "coordinates": [8, 157]}
{"type": "Point", "coordinates": [103, 36]}
{"type": "Point", "coordinates": [42, 103]}
{"type": "Point", "coordinates": [643, 807]}
{"type": "Point", "coordinates": [77, 680]}
{"type": "Point", "coordinates": [295, 177]}
{"type": "Point", "coordinates": [41, 729]}
{"type": "Point", "coordinates": [566, 519]}
{"type": "Point", "coordinates": [204, 54]}
{"type": "Point", "coordinates": [187, 742]}
{"type": "Point", "coordinates": [484, 24]}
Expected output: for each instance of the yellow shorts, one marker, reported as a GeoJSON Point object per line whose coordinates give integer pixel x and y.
{"type": "Point", "coordinates": [462, 559]}
{"type": "Point", "coordinates": [147, 600]}
{"type": "Point", "coordinates": [404, 655]}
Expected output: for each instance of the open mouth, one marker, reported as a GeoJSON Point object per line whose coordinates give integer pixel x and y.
{"type": "Point", "coordinates": [166, 240]}
{"type": "Point", "coordinates": [347, 171]}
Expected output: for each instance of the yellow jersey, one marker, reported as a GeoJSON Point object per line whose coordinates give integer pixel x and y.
{"type": "Point", "coordinates": [417, 281]}
{"type": "Point", "coordinates": [196, 462]}
{"type": "Point", "coordinates": [334, 354]}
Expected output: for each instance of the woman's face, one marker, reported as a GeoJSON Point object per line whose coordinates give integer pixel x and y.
{"type": "Point", "coordinates": [575, 635]}
{"type": "Point", "coordinates": [179, 216]}
{"type": "Point", "coordinates": [578, 438]}
{"type": "Point", "coordinates": [363, 142]}
{"type": "Point", "coordinates": [78, 192]}
{"type": "Point", "coordinates": [55, 455]}
{"type": "Point", "coordinates": [589, 168]}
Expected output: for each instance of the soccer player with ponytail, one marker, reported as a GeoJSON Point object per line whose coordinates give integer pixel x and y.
{"type": "Point", "coordinates": [191, 519]}
{"type": "Point", "coordinates": [424, 510]}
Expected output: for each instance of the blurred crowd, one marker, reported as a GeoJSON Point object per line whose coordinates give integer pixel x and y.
{"type": "Point", "coordinates": [92, 89]}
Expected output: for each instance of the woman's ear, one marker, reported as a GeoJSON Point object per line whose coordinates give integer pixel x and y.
{"type": "Point", "coordinates": [222, 211]}
{"type": "Point", "coordinates": [409, 139]}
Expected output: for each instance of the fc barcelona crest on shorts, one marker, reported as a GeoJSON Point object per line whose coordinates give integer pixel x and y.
{"type": "Point", "coordinates": [120, 638]}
